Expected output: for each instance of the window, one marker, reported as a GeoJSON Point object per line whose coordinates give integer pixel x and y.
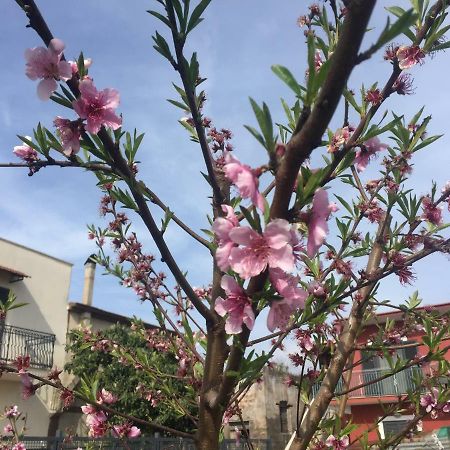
{"type": "Point", "coordinates": [283, 405]}
{"type": "Point", "coordinates": [4, 292]}
{"type": "Point", "coordinates": [374, 366]}
{"type": "Point", "coordinates": [392, 425]}
{"type": "Point", "coordinates": [242, 427]}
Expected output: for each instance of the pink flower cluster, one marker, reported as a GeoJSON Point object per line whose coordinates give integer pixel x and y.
{"type": "Point", "coordinates": [340, 138]}
{"type": "Point", "coordinates": [370, 148]}
{"type": "Point", "coordinates": [45, 64]}
{"type": "Point", "coordinates": [237, 305]}
{"type": "Point", "coordinates": [337, 443]}
{"type": "Point", "coordinates": [318, 221]}
{"type": "Point", "coordinates": [430, 402]}
{"type": "Point", "coordinates": [431, 212]}
{"type": "Point", "coordinates": [97, 420]}
{"type": "Point", "coordinates": [25, 152]}
{"type": "Point", "coordinates": [409, 56]}
{"type": "Point", "coordinates": [96, 107]}
{"type": "Point", "coordinates": [249, 253]}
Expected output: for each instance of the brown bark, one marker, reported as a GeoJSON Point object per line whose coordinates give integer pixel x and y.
{"type": "Point", "coordinates": [344, 349]}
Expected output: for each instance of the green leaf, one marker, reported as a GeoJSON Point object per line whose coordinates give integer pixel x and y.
{"type": "Point", "coordinates": [195, 18]}
{"type": "Point", "coordinates": [162, 46]}
{"type": "Point", "coordinates": [159, 16]}
{"type": "Point", "coordinates": [255, 134]}
{"type": "Point", "coordinates": [400, 26]}
{"type": "Point", "coordinates": [286, 76]}
{"type": "Point", "coordinates": [442, 46]}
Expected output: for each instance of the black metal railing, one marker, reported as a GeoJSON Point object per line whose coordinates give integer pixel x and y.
{"type": "Point", "coordinates": [17, 341]}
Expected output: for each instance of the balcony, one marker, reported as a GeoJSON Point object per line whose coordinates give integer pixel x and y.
{"type": "Point", "coordinates": [16, 341]}
{"type": "Point", "coordinates": [396, 384]}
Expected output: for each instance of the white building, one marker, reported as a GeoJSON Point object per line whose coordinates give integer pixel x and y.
{"type": "Point", "coordinates": [37, 329]}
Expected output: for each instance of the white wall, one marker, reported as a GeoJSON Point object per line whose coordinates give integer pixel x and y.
{"type": "Point", "coordinates": [46, 292]}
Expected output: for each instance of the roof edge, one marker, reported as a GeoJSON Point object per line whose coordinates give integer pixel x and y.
{"type": "Point", "coordinates": [36, 251]}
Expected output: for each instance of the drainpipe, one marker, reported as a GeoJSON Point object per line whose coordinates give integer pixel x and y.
{"type": "Point", "coordinates": [89, 274]}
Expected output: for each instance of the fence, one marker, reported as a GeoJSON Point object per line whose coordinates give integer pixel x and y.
{"type": "Point", "coordinates": [143, 443]}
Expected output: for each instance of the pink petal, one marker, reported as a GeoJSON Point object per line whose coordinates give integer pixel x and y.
{"type": "Point", "coordinates": [244, 262]}
{"type": "Point", "coordinates": [320, 203]}
{"type": "Point", "coordinates": [110, 119]}
{"type": "Point", "coordinates": [223, 255]}
{"type": "Point", "coordinates": [233, 325]}
{"type": "Point", "coordinates": [249, 317]}
{"type": "Point", "coordinates": [88, 90]}
{"type": "Point", "coordinates": [46, 87]}
{"type": "Point", "coordinates": [278, 233]}
{"type": "Point", "coordinates": [219, 307]}
{"type": "Point", "coordinates": [230, 286]}
{"type": "Point", "coordinates": [64, 70]}
{"type": "Point", "coordinates": [282, 258]}
{"type": "Point", "coordinates": [244, 235]}
{"type": "Point", "coordinates": [56, 46]}
{"type": "Point", "coordinates": [110, 98]}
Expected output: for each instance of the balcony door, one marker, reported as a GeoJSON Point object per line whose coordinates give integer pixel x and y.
{"type": "Point", "coordinates": [374, 367]}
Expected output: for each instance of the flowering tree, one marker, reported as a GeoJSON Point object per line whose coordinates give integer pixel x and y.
{"type": "Point", "coordinates": [268, 231]}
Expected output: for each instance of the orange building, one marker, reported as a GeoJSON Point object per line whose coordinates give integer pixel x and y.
{"type": "Point", "coordinates": [368, 404]}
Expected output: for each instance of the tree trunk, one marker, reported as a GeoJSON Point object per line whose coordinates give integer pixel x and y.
{"type": "Point", "coordinates": [210, 424]}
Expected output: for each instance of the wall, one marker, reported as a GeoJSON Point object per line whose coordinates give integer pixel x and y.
{"type": "Point", "coordinates": [38, 417]}
{"type": "Point", "coordinates": [260, 407]}
{"type": "Point", "coordinates": [46, 292]}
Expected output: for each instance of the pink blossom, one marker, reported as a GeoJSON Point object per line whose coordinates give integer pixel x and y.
{"type": "Point", "coordinates": [19, 446]}
{"type": "Point", "coordinates": [97, 423]}
{"type": "Point", "coordinates": [340, 138]}
{"type": "Point", "coordinates": [74, 65]}
{"type": "Point", "coordinates": [366, 151]}
{"type": "Point", "coordinates": [67, 397]}
{"type": "Point", "coordinates": [237, 433]}
{"type": "Point", "coordinates": [221, 228]}
{"type": "Point", "coordinates": [88, 409]}
{"type": "Point", "coordinates": [293, 298]}
{"type": "Point", "coordinates": [12, 412]}
{"type": "Point", "coordinates": [429, 401]}
{"type": "Point", "coordinates": [126, 430]}
{"type": "Point", "coordinates": [28, 388]}
{"type": "Point", "coordinates": [273, 248]}
{"type": "Point", "coordinates": [26, 152]}
{"type": "Point", "coordinates": [107, 397]}
{"type": "Point", "coordinates": [431, 212]}
{"type": "Point", "coordinates": [69, 133]}
{"type": "Point", "coordinates": [337, 443]}
{"type": "Point", "coordinates": [8, 429]}
{"type": "Point", "coordinates": [245, 179]}
{"type": "Point", "coordinates": [97, 107]}
{"type": "Point", "coordinates": [317, 225]}
{"type": "Point", "coordinates": [46, 64]}
{"type": "Point", "coordinates": [237, 304]}
{"type": "Point", "coordinates": [409, 56]}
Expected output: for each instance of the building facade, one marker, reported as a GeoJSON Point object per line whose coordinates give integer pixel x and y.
{"type": "Point", "coordinates": [269, 410]}
{"type": "Point", "coordinates": [37, 329]}
{"type": "Point", "coordinates": [368, 404]}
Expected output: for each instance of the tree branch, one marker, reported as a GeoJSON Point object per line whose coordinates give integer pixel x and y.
{"type": "Point", "coordinates": [309, 137]}
{"type": "Point", "coordinates": [38, 23]}
{"type": "Point", "coordinates": [101, 406]}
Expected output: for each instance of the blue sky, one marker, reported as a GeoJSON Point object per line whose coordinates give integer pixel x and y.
{"type": "Point", "coordinates": [237, 44]}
